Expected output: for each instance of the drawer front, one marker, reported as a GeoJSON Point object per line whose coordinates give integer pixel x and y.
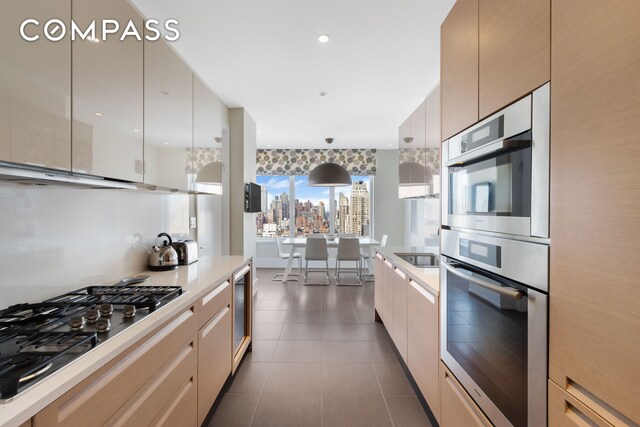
{"type": "Point", "coordinates": [456, 406]}
{"type": "Point", "coordinates": [567, 411]}
{"type": "Point", "coordinates": [124, 379]}
{"type": "Point", "coordinates": [182, 409]}
{"type": "Point", "coordinates": [213, 302]}
{"type": "Point", "coordinates": [215, 358]}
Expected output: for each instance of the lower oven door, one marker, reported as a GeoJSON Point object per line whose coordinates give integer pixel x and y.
{"type": "Point", "coordinates": [494, 340]}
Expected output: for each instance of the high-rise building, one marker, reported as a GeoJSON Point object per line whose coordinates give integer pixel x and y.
{"type": "Point", "coordinates": [321, 210]}
{"type": "Point", "coordinates": [263, 198]}
{"type": "Point", "coordinates": [344, 225]}
{"type": "Point", "coordinates": [359, 212]}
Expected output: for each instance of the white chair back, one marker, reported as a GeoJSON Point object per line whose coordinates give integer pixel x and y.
{"type": "Point", "coordinates": [348, 249]}
{"type": "Point", "coordinates": [383, 241]}
{"type": "Point", "coordinates": [316, 250]}
{"type": "Point", "coordinates": [281, 252]}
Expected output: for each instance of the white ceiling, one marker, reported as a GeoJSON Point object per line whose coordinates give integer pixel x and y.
{"type": "Point", "coordinates": [382, 59]}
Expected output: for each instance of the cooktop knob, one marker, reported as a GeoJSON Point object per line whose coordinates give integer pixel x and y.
{"type": "Point", "coordinates": [103, 325]}
{"type": "Point", "coordinates": [129, 310]}
{"type": "Point", "coordinates": [92, 315]}
{"type": "Point", "coordinates": [106, 309]}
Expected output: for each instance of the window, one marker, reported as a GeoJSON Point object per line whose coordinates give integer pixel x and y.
{"type": "Point", "coordinates": [312, 207]}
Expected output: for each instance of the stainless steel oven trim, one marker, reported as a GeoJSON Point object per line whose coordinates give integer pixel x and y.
{"type": "Point", "coordinates": [506, 291]}
{"type": "Point", "coordinates": [540, 162]}
{"type": "Point", "coordinates": [495, 147]}
{"type": "Point", "coordinates": [523, 262]}
{"type": "Point", "coordinates": [497, 224]}
{"type": "Point", "coordinates": [444, 184]}
{"type": "Point", "coordinates": [517, 119]}
{"type": "Point", "coordinates": [537, 309]}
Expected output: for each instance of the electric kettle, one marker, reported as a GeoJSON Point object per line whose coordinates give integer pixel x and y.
{"type": "Point", "coordinates": [163, 256]}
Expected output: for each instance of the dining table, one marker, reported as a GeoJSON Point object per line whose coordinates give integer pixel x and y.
{"type": "Point", "coordinates": [368, 243]}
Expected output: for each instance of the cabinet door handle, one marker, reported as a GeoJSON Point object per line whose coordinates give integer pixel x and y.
{"type": "Point", "coordinates": [241, 273]}
{"type": "Point", "coordinates": [214, 322]}
{"type": "Point", "coordinates": [388, 264]}
{"type": "Point", "coordinates": [378, 256]}
{"type": "Point", "coordinates": [211, 295]}
{"type": "Point", "coordinates": [423, 292]}
{"type": "Point", "coordinates": [400, 273]}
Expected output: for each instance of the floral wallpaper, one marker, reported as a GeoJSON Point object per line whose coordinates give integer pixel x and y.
{"type": "Point", "coordinates": [301, 162]}
{"type": "Point", "coordinates": [198, 157]}
{"type": "Point", "coordinates": [430, 157]}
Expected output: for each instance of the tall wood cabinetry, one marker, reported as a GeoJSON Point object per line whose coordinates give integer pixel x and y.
{"type": "Point", "coordinates": [595, 200]}
{"type": "Point", "coordinates": [492, 53]}
{"type": "Point", "coordinates": [107, 103]}
{"type": "Point", "coordinates": [35, 87]}
{"type": "Point", "coordinates": [399, 288]}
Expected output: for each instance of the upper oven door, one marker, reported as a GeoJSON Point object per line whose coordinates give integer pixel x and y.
{"type": "Point", "coordinates": [496, 174]}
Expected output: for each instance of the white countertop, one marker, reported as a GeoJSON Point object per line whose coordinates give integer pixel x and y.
{"type": "Point", "coordinates": [195, 279]}
{"type": "Point", "coordinates": [428, 278]}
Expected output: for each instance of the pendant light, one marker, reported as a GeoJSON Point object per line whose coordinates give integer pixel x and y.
{"type": "Point", "coordinates": [329, 174]}
{"type": "Point", "coordinates": [211, 173]}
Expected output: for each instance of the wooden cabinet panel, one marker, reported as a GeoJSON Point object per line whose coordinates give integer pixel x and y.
{"type": "Point", "coordinates": [378, 275]}
{"type": "Point", "coordinates": [137, 383]}
{"type": "Point", "coordinates": [459, 68]}
{"type": "Point", "coordinates": [242, 313]}
{"type": "Point", "coordinates": [26, 424]}
{"type": "Point", "coordinates": [566, 411]}
{"type": "Point", "coordinates": [514, 51]}
{"type": "Point", "coordinates": [387, 295]}
{"type": "Point", "coordinates": [456, 406]}
{"type": "Point", "coordinates": [182, 409]}
{"type": "Point", "coordinates": [399, 285]}
{"type": "Point", "coordinates": [215, 359]}
{"type": "Point", "coordinates": [168, 117]}
{"type": "Point", "coordinates": [423, 352]}
{"type": "Point", "coordinates": [595, 200]}
{"type": "Point", "coordinates": [213, 302]}
{"type": "Point", "coordinates": [35, 86]}
{"type": "Point", "coordinates": [107, 78]}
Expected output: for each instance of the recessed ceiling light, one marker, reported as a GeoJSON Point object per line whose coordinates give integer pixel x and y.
{"type": "Point", "coordinates": [136, 130]}
{"type": "Point", "coordinates": [323, 93]}
{"type": "Point", "coordinates": [97, 114]}
{"type": "Point", "coordinates": [268, 145]}
{"type": "Point", "coordinates": [166, 143]}
{"type": "Point", "coordinates": [390, 145]}
{"type": "Point", "coordinates": [164, 92]}
{"type": "Point", "coordinates": [324, 38]}
{"type": "Point", "coordinates": [259, 132]}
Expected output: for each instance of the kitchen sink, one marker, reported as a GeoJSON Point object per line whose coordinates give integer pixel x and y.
{"type": "Point", "coordinates": [420, 259]}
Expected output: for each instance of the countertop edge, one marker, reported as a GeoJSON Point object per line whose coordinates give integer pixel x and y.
{"type": "Point", "coordinates": [429, 281]}
{"type": "Point", "coordinates": [38, 397]}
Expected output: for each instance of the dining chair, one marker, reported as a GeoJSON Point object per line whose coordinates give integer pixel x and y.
{"type": "Point", "coordinates": [348, 250]}
{"type": "Point", "coordinates": [364, 254]}
{"type": "Point", "coordinates": [282, 253]}
{"type": "Point", "coordinates": [315, 250]}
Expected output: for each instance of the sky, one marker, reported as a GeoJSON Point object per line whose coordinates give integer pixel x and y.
{"type": "Point", "coordinates": [276, 185]}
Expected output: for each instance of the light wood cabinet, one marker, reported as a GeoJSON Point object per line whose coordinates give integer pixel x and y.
{"type": "Point", "coordinates": [181, 410]}
{"type": "Point", "coordinates": [456, 406]}
{"type": "Point", "coordinates": [377, 291]}
{"type": "Point", "coordinates": [594, 325]}
{"type": "Point", "coordinates": [242, 313]}
{"type": "Point", "coordinates": [168, 117]}
{"type": "Point", "coordinates": [35, 86]}
{"type": "Point", "coordinates": [399, 285]}
{"type": "Point", "coordinates": [567, 411]}
{"type": "Point", "coordinates": [133, 388]}
{"type": "Point", "coordinates": [514, 51]}
{"type": "Point", "coordinates": [107, 78]}
{"type": "Point", "coordinates": [213, 302]}
{"type": "Point", "coordinates": [214, 359]}
{"type": "Point", "coordinates": [459, 68]}
{"type": "Point", "coordinates": [423, 345]}
{"type": "Point", "coordinates": [387, 295]}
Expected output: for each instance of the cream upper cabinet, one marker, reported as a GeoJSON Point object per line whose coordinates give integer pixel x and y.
{"type": "Point", "coordinates": [35, 86]}
{"type": "Point", "coordinates": [208, 137]}
{"type": "Point", "coordinates": [168, 117]}
{"type": "Point", "coordinates": [107, 128]}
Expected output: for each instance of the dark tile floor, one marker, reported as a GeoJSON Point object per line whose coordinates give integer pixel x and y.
{"type": "Point", "coordinates": [318, 359]}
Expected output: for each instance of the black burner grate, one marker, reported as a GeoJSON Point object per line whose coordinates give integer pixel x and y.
{"type": "Point", "coordinates": [150, 297]}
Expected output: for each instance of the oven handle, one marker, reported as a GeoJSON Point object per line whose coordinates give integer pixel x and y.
{"type": "Point", "coordinates": [508, 292]}
{"type": "Point", "coordinates": [490, 150]}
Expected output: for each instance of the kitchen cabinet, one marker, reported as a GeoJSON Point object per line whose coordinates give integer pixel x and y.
{"type": "Point", "coordinates": [26, 424]}
{"type": "Point", "coordinates": [208, 136]}
{"type": "Point", "coordinates": [168, 117]}
{"type": "Point", "coordinates": [214, 359]}
{"type": "Point", "coordinates": [387, 295]}
{"type": "Point", "coordinates": [139, 383]}
{"type": "Point", "coordinates": [107, 79]}
{"type": "Point", "coordinates": [514, 51]}
{"type": "Point", "coordinates": [242, 313]}
{"type": "Point", "coordinates": [377, 291]}
{"type": "Point", "coordinates": [594, 327]}
{"type": "Point", "coordinates": [35, 87]}
{"type": "Point", "coordinates": [399, 286]}
{"type": "Point", "coordinates": [181, 410]}
{"type": "Point", "coordinates": [423, 345]}
{"type": "Point", "coordinates": [456, 406]}
{"type": "Point", "coordinates": [567, 411]}
{"type": "Point", "coordinates": [459, 68]}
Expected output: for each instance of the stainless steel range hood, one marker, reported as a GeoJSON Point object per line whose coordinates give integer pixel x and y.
{"type": "Point", "coordinates": [24, 174]}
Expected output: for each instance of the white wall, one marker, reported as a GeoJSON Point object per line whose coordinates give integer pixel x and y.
{"type": "Point", "coordinates": [388, 215]}
{"type": "Point", "coordinates": [58, 239]}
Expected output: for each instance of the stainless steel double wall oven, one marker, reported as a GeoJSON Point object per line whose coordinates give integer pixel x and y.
{"type": "Point", "coordinates": [495, 261]}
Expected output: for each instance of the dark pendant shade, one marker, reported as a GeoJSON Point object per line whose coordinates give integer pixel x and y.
{"type": "Point", "coordinates": [329, 175]}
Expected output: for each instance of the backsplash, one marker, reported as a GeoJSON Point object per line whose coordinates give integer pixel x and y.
{"type": "Point", "coordinates": [56, 239]}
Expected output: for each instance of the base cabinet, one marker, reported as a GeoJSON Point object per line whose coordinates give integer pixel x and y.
{"type": "Point", "coordinates": [181, 409]}
{"type": "Point", "coordinates": [566, 411]}
{"type": "Point", "coordinates": [399, 285]}
{"type": "Point", "coordinates": [423, 346]}
{"type": "Point", "coordinates": [378, 272]}
{"type": "Point", "coordinates": [457, 409]}
{"type": "Point", "coordinates": [387, 295]}
{"type": "Point", "coordinates": [214, 359]}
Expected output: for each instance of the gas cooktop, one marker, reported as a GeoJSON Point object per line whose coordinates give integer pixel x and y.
{"type": "Point", "coordinates": [37, 339]}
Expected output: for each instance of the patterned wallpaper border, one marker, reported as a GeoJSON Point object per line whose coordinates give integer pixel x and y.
{"type": "Point", "coordinates": [198, 157]}
{"type": "Point", "coordinates": [430, 157]}
{"type": "Point", "coordinates": [301, 162]}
